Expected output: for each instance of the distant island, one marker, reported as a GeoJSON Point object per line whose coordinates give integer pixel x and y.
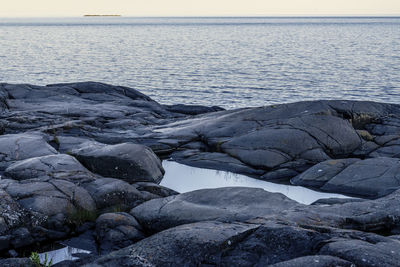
{"type": "Point", "coordinates": [102, 15]}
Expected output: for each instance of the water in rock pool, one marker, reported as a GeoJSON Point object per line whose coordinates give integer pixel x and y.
{"type": "Point", "coordinates": [63, 254]}
{"type": "Point", "coordinates": [230, 62]}
{"type": "Point", "coordinates": [183, 178]}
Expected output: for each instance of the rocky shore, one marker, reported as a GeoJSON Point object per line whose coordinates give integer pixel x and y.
{"type": "Point", "coordinates": [82, 161]}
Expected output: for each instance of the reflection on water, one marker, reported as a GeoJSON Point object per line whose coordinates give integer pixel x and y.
{"type": "Point", "coordinates": [184, 178]}
{"type": "Point", "coordinates": [62, 254]}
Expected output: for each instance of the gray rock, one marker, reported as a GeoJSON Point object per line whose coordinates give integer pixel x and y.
{"type": "Point", "coordinates": [395, 237]}
{"type": "Point", "coordinates": [99, 88]}
{"type": "Point", "coordinates": [3, 100]}
{"type": "Point", "coordinates": [213, 160]}
{"type": "Point", "coordinates": [85, 241]}
{"type": "Point", "coordinates": [333, 201]}
{"type": "Point", "coordinates": [392, 151]}
{"type": "Point", "coordinates": [21, 238]}
{"type": "Point", "coordinates": [51, 205]}
{"type": "Point", "coordinates": [267, 139]}
{"type": "Point", "coordinates": [192, 109]}
{"type": "Point", "coordinates": [60, 166]}
{"type": "Point", "coordinates": [210, 227]}
{"type": "Point", "coordinates": [128, 162]}
{"type": "Point", "coordinates": [259, 141]}
{"type": "Point", "coordinates": [222, 204]}
{"type": "Point", "coordinates": [16, 262]}
{"type": "Point", "coordinates": [155, 189]}
{"type": "Point", "coordinates": [243, 244]}
{"type": "Point", "coordinates": [321, 173]}
{"type": "Point", "coordinates": [117, 230]}
{"type": "Point", "coordinates": [367, 149]}
{"type": "Point", "coordinates": [11, 216]}
{"type": "Point", "coordinates": [271, 148]}
{"type": "Point", "coordinates": [12, 253]}
{"type": "Point", "coordinates": [16, 147]}
{"type": "Point", "coordinates": [272, 243]}
{"type": "Point", "coordinates": [4, 241]}
{"type": "Point", "coordinates": [186, 245]}
{"type": "Point", "coordinates": [370, 178]}
{"type": "Point", "coordinates": [378, 216]}
{"type": "Point", "coordinates": [110, 194]}
{"type": "Point", "coordinates": [363, 253]}
{"type": "Point", "coordinates": [316, 261]}
{"type": "Point", "coordinates": [68, 143]}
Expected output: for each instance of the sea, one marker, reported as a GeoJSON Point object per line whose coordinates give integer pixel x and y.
{"type": "Point", "coordinates": [231, 62]}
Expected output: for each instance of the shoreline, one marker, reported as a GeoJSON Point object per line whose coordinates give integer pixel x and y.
{"type": "Point", "coordinates": [83, 160]}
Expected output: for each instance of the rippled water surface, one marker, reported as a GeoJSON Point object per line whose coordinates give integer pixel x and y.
{"type": "Point", "coordinates": [232, 62]}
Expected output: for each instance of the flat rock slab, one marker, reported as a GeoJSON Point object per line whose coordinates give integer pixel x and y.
{"type": "Point", "coordinates": [129, 162]}
{"type": "Point", "coordinates": [222, 204]}
{"type": "Point", "coordinates": [370, 178]}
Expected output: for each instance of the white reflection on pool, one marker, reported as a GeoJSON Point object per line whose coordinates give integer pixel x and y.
{"type": "Point", "coordinates": [183, 178]}
{"type": "Point", "coordinates": [62, 254]}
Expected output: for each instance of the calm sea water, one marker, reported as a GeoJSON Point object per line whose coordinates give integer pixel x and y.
{"type": "Point", "coordinates": [231, 62]}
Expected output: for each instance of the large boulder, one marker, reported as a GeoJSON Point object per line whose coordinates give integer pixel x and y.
{"type": "Point", "coordinates": [127, 161]}
{"type": "Point", "coordinates": [222, 204]}
{"type": "Point", "coordinates": [372, 178]}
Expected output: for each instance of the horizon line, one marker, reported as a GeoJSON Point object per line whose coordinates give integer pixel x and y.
{"type": "Point", "coordinates": [223, 16]}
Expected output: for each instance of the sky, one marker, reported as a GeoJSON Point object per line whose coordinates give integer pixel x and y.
{"type": "Point", "coordinates": [51, 8]}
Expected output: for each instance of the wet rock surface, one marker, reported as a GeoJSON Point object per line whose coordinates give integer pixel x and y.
{"type": "Point", "coordinates": [83, 159]}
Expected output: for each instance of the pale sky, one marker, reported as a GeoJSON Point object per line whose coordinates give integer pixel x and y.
{"type": "Point", "coordinates": [40, 8]}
